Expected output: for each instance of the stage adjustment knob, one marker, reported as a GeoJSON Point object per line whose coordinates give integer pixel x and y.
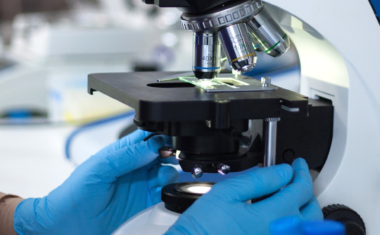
{"type": "Point", "coordinates": [352, 220]}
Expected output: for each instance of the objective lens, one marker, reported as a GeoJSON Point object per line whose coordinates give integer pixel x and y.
{"type": "Point", "coordinates": [254, 40]}
{"type": "Point", "coordinates": [206, 55]}
{"type": "Point", "coordinates": [238, 47]}
{"type": "Point", "coordinates": [272, 39]}
{"type": "Point", "coordinates": [223, 59]}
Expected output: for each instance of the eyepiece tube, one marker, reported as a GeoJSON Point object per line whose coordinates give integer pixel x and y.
{"type": "Point", "coordinates": [272, 39]}
{"type": "Point", "coordinates": [206, 55]}
{"type": "Point", "coordinates": [238, 47]}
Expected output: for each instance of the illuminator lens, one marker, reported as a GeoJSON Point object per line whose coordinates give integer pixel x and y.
{"type": "Point", "coordinates": [195, 188]}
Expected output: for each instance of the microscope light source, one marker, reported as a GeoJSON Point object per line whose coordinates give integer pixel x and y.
{"type": "Point", "coordinates": [195, 188]}
{"type": "Point", "coordinates": [199, 189]}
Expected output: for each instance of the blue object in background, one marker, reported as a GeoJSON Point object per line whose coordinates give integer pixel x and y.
{"type": "Point", "coordinates": [326, 227]}
{"type": "Point", "coordinates": [287, 226]}
{"type": "Point", "coordinates": [91, 125]}
{"type": "Point", "coordinates": [19, 114]}
{"type": "Point", "coordinates": [294, 225]}
{"type": "Point", "coordinates": [376, 7]}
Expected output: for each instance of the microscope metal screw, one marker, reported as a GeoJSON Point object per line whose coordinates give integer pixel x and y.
{"type": "Point", "coordinates": [266, 81]}
{"type": "Point", "coordinates": [223, 169]}
{"type": "Point", "coordinates": [197, 172]}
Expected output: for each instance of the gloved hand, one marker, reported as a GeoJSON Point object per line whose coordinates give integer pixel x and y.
{"type": "Point", "coordinates": [224, 209]}
{"type": "Point", "coordinates": [102, 193]}
{"type": "Point", "coordinates": [294, 225]}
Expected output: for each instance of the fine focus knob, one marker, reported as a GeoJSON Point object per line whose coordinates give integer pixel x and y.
{"type": "Point", "coordinates": [350, 218]}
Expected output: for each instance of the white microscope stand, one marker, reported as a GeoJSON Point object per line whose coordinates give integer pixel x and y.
{"type": "Point", "coordinates": [340, 62]}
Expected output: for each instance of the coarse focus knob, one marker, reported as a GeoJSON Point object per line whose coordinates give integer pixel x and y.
{"type": "Point", "coordinates": [350, 218]}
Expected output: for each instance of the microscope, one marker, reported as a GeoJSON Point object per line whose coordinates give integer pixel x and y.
{"type": "Point", "coordinates": [223, 123]}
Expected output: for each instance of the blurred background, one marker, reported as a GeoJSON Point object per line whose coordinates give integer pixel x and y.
{"type": "Point", "coordinates": [48, 122]}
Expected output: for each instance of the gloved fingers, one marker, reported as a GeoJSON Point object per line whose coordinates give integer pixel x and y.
{"type": "Point", "coordinates": [131, 139]}
{"type": "Point", "coordinates": [300, 164]}
{"type": "Point", "coordinates": [155, 163]}
{"type": "Point", "coordinates": [302, 182]}
{"type": "Point", "coordinates": [254, 184]}
{"type": "Point", "coordinates": [312, 210]}
{"type": "Point", "coordinates": [127, 159]}
{"type": "Point", "coordinates": [170, 160]}
{"type": "Point", "coordinates": [161, 176]}
{"type": "Point", "coordinates": [300, 190]}
{"type": "Point", "coordinates": [153, 177]}
{"type": "Point", "coordinates": [156, 195]}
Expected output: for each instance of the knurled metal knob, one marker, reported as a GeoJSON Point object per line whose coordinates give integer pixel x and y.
{"type": "Point", "coordinates": [213, 22]}
{"type": "Point", "coordinates": [351, 219]}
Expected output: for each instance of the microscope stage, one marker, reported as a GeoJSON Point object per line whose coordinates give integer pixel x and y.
{"type": "Point", "coordinates": [181, 101]}
{"type": "Point", "coordinates": [201, 121]}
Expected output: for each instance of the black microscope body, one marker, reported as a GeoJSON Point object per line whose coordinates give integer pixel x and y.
{"type": "Point", "coordinates": [209, 128]}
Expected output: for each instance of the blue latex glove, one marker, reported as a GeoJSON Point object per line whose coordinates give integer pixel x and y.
{"type": "Point", "coordinates": [326, 227]}
{"type": "Point", "coordinates": [224, 209]}
{"type": "Point", "coordinates": [294, 225]}
{"type": "Point", "coordinates": [291, 225]}
{"type": "Point", "coordinates": [102, 193]}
